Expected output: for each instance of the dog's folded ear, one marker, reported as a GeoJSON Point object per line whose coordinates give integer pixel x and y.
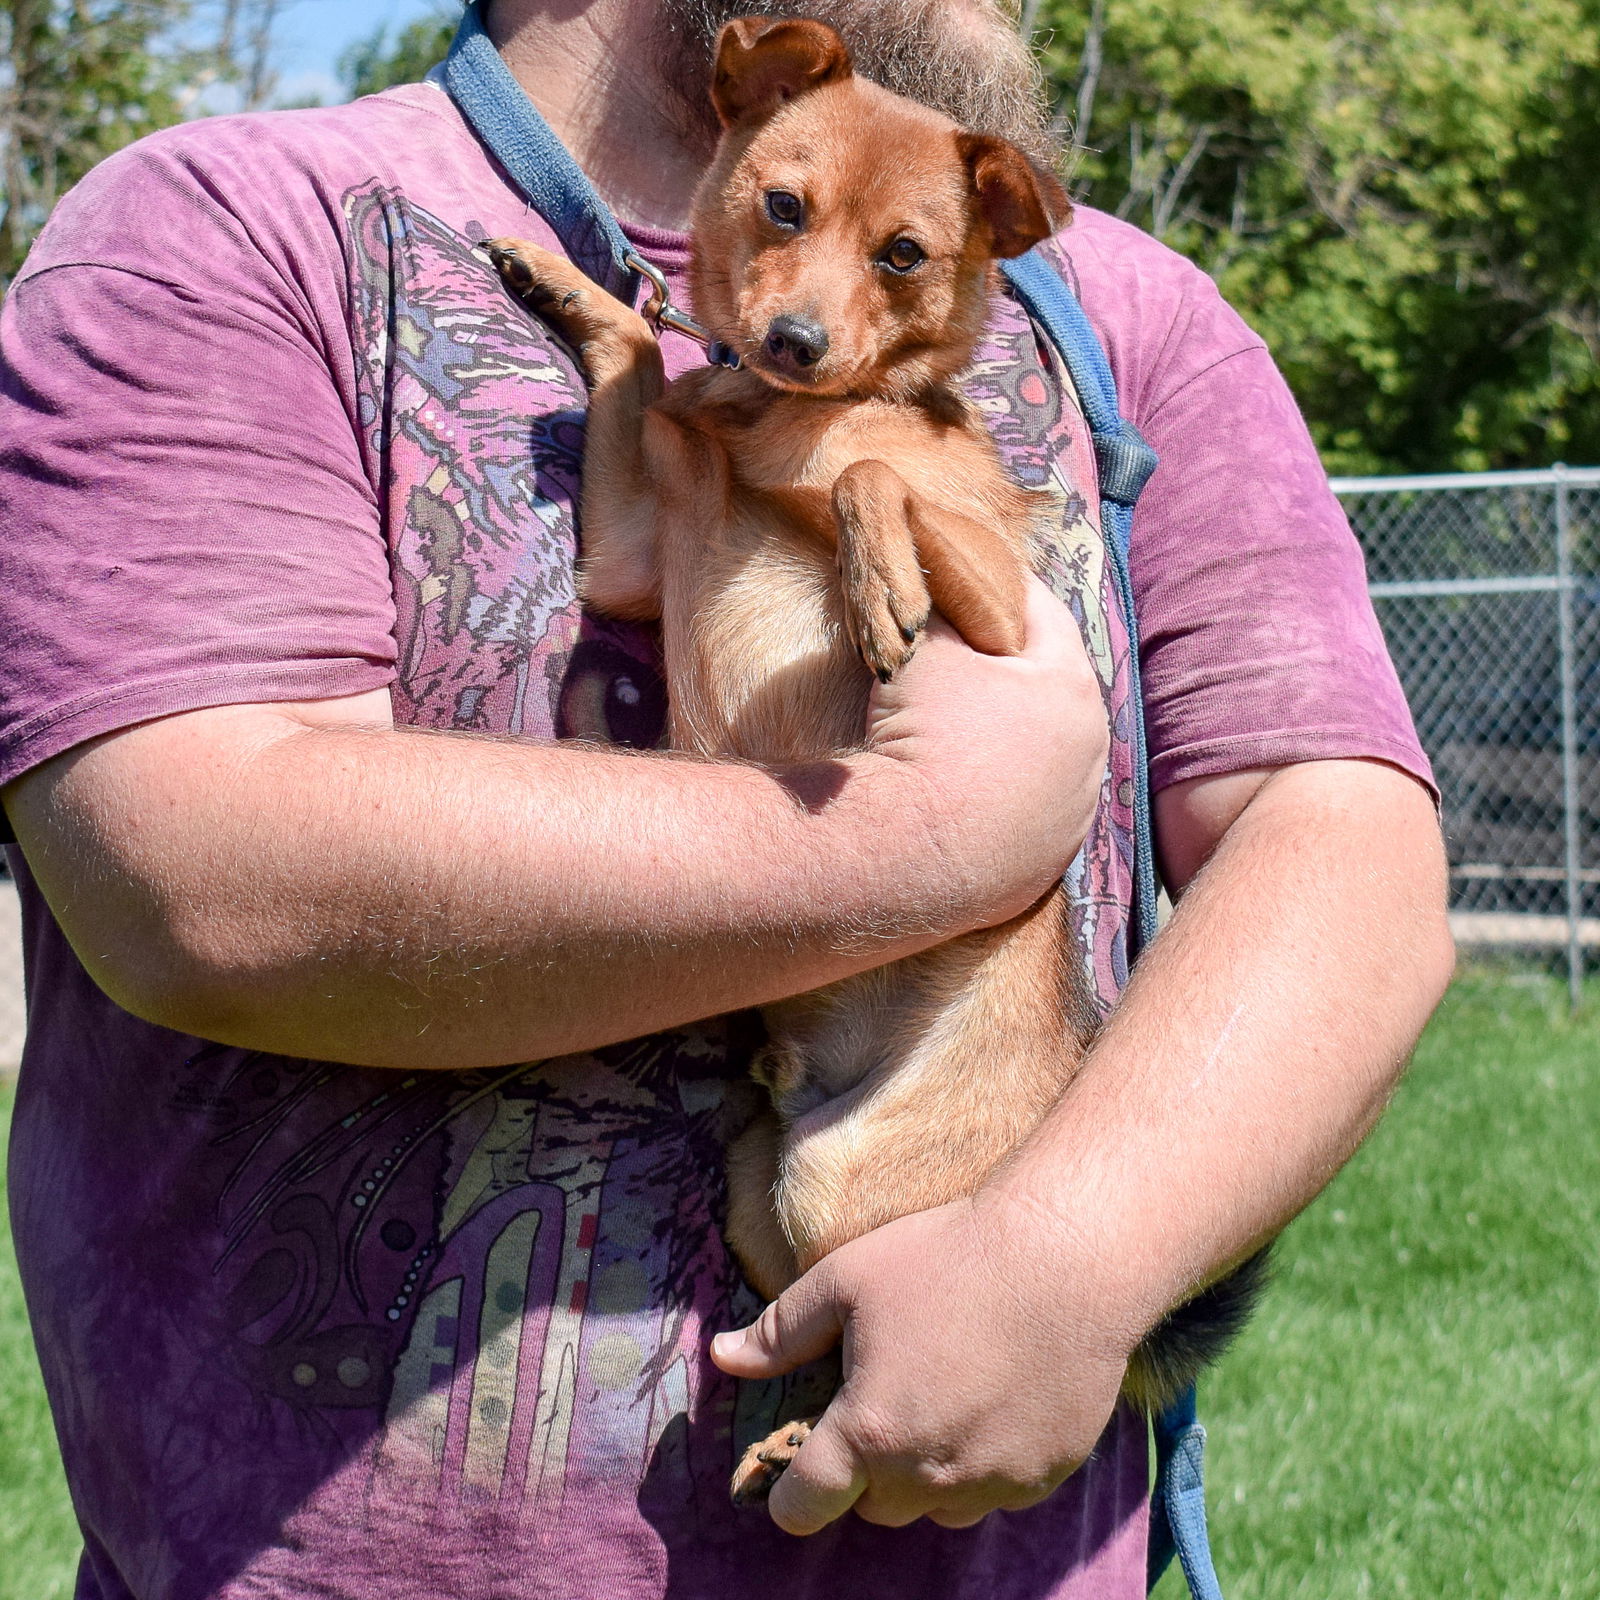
{"type": "Point", "coordinates": [1021, 201]}
{"type": "Point", "coordinates": [764, 61]}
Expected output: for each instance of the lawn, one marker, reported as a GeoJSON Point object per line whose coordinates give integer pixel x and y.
{"type": "Point", "coordinates": [1417, 1413]}
{"type": "Point", "coordinates": [1417, 1410]}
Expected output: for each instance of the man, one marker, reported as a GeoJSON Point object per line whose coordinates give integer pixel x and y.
{"type": "Point", "coordinates": [332, 1297]}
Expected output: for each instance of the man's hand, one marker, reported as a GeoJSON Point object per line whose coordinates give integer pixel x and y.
{"type": "Point", "coordinates": [998, 786]}
{"type": "Point", "coordinates": [979, 1369]}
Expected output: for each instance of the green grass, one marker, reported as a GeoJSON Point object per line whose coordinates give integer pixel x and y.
{"type": "Point", "coordinates": [1417, 1410]}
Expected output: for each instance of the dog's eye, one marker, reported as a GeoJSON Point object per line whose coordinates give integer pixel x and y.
{"type": "Point", "coordinates": [903, 255]}
{"type": "Point", "coordinates": [785, 208]}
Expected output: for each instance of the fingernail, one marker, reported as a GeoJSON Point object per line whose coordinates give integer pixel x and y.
{"type": "Point", "coordinates": [728, 1344]}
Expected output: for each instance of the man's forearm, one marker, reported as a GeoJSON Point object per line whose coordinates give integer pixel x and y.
{"type": "Point", "coordinates": [307, 880]}
{"type": "Point", "coordinates": [1257, 1043]}
{"type": "Point", "coordinates": [403, 899]}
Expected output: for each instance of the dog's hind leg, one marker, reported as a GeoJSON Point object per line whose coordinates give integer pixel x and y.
{"type": "Point", "coordinates": [753, 1231]}
{"type": "Point", "coordinates": [756, 1238]}
{"type": "Point", "coordinates": [1013, 1017]}
{"type": "Point", "coordinates": [993, 1028]}
{"type": "Point", "coordinates": [765, 1461]}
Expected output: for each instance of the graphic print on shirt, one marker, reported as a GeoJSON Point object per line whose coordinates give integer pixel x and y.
{"type": "Point", "coordinates": [515, 1274]}
{"type": "Point", "coordinates": [1030, 407]}
{"type": "Point", "coordinates": [488, 1256]}
{"type": "Point", "coordinates": [473, 416]}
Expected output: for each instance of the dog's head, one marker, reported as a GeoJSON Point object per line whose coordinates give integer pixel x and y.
{"type": "Point", "coordinates": [845, 236]}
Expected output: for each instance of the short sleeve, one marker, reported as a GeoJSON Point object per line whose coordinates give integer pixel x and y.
{"type": "Point", "coordinates": [1259, 643]}
{"type": "Point", "coordinates": [185, 515]}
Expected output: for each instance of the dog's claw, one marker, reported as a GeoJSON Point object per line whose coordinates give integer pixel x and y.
{"type": "Point", "coordinates": [513, 269]}
{"type": "Point", "coordinates": [885, 640]}
{"type": "Point", "coordinates": [764, 1463]}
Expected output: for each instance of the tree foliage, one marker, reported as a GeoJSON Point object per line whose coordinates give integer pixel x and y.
{"type": "Point", "coordinates": [380, 62]}
{"type": "Point", "coordinates": [1396, 195]}
{"type": "Point", "coordinates": [77, 81]}
{"type": "Point", "coordinates": [81, 78]}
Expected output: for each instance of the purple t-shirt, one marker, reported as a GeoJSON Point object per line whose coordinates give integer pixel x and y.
{"type": "Point", "coordinates": [270, 430]}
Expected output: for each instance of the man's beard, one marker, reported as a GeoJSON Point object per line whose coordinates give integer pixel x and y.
{"type": "Point", "coordinates": [962, 57]}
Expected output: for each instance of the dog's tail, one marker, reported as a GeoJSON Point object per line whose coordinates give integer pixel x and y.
{"type": "Point", "coordinates": [1189, 1338]}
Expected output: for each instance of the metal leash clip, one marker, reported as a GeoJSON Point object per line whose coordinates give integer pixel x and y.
{"type": "Point", "coordinates": [660, 313]}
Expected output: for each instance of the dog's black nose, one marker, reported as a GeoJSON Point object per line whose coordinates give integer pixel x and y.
{"type": "Point", "coordinates": [796, 341]}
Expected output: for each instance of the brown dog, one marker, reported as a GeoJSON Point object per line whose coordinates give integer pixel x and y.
{"type": "Point", "coordinates": [777, 520]}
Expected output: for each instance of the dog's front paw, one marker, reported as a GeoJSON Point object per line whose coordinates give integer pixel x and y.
{"type": "Point", "coordinates": [886, 606]}
{"type": "Point", "coordinates": [539, 276]}
{"type": "Point", "coordinates": [885, 591]}
{"type": "Point", "coordinates": [609, 337]}
{"type": "Point", "coordinates": [764, 1463]}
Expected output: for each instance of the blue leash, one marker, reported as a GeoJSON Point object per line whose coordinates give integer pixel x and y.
{"type": "Point", "coordinates": [509, 124]}
{"type": "Point", "coordinates": [1125, 462]}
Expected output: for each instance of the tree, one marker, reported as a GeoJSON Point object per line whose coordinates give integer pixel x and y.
{"type": "Point", "coordinates": [243, 53]}
{"type": "Point", "coordinates": [1396, 197]}
{"type": "Point", "coordinates": [81, 78]}
{"type": "Point", "coordinates": [77, 81]}
{"type": "Point", "coordinates": [377, 63]}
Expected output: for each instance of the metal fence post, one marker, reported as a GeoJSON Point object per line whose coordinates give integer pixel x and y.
{"type": "Point", "coordinates": [1569, 742]}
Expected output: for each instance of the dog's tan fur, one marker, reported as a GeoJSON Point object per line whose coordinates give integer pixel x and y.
{"type": "Point", "coordinates": [791, 527]}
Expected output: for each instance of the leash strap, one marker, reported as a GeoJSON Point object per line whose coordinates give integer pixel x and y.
{"type": "Point", "coordinates": [509, 124]}
{"type": "Point", "coordinates": [1178, 1503]}
{"type": "Point", "coordinates": [1125, 463]}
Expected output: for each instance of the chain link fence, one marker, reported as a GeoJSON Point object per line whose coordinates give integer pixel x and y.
{"type": "Point", "coordinates": [1488, 589]}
